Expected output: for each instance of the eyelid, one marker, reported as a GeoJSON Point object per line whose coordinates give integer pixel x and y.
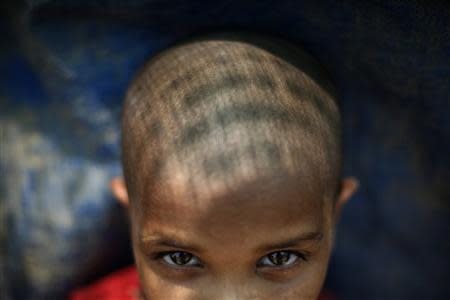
{"type": "Point", "coordinates": [300, 256]}
{"type": "Point", "coordinates": [160, 257]}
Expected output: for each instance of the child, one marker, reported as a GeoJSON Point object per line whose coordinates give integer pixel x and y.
{"type": "Point", "coordinates": [232, 172]}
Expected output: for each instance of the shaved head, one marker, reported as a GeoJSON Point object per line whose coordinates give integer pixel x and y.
{"type": "Point", "coordinates": [231, 150]}
{"type": "Point", "coordinates": [225, 109]}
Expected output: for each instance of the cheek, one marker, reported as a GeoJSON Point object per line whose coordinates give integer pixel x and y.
{"type": "Point", "coordinates": [306, 286]}
{"type": "Point", "coordinates": [156, 287]}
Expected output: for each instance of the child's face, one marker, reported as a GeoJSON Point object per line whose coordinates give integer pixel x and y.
{"type": "Point", "coordinates": [265, 240]}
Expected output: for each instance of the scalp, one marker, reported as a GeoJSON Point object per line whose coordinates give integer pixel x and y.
{"type": "Point", "coordinates": [224, 108]}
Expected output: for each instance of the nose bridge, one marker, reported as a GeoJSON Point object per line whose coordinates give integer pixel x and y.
{"type": "Point", "coordinates": [231, 288]}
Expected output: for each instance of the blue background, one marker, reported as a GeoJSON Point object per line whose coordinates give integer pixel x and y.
{"type": "Point", "coordinates": [64, 68]}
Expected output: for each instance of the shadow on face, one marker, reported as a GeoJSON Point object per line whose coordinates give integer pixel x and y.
{"type": "Point", "coordinates": [267, 239]}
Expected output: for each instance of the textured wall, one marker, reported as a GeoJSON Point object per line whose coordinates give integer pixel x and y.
{"type": "Point", "coordinates": [64, 67]}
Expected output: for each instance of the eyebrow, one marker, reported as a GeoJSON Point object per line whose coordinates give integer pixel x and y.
{"type": "Point", "coordinates": [160, 240]}
{"type": "Point", "coordinates": [304, 237]}
{"type": "Point", "coordinates": [167, 241]}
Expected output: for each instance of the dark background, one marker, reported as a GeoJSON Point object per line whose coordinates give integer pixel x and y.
{"type": "Point", "coordinates": [64, 67]}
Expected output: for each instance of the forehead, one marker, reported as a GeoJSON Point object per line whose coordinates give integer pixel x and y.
{"type": "Point", "coordinates": [265, 205]}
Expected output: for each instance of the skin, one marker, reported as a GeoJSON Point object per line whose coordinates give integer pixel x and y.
{"type": "Point", "coordinates": [227, 240]}
{"type": "Point", "coordinates": [231, 154]}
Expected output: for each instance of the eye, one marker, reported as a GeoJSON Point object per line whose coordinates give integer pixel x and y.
{"type": "Point", "coordinates": [180, 259]}
{"type": "Point", "coordinates": [280, 259]}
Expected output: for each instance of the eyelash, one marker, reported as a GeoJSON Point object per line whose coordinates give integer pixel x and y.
{"type": "Point", "coordinates": [299, 257]}
{"type": "Point", "coordinates": [162, 255]}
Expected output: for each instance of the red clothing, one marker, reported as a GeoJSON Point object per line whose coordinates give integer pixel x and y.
{"type": "Point", "coordinates": [121, 285]}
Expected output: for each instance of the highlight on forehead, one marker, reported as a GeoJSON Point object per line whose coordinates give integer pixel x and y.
{"type": "Point", "coordinates": [226, 108]}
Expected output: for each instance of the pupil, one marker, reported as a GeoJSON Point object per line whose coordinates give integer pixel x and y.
{"type": "Point", "coordinates": [279, 258]}
{"type": "Point", "coordinates": [181, 258]}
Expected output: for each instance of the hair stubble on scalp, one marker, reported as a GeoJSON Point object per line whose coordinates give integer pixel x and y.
{"type": "Point", "coordinates": [226, 107]}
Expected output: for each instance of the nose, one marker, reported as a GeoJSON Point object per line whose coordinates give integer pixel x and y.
{"type": "Point", "coordinates": [233, 294]}
{"type": "Point", "coordinates": [232, 290]}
